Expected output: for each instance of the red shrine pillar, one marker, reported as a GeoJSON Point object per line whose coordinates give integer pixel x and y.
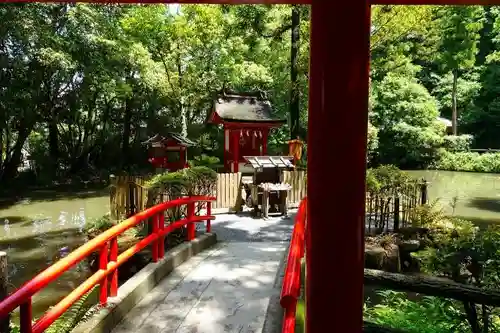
{"type": "Point", "coordinates": [235, 142]}
{"type": "Point", "coordinates": [338, 114]}
{"type": "Point", "coordinates": [265, 135]}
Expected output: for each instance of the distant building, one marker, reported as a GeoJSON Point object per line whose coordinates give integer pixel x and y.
{"type": "Point", "coordinates": [447, 123]}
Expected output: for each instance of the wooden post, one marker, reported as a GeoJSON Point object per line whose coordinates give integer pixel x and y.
{"type": "Point", "coordinates": [235, 136]}
{"type": "Point", "coordinates": [4, 282]}
{"type": "Point", "coordinates": [338, 122]}
{"type": "Point", "coordinates": [423, 192]}
{"type": "Point", "coordinates": [131, 199]}
{"type": "Point", "coordinates": [112, 197]}
{"type": "Point", "coordinates": [396, 213]}
{"type": "Point", "coordinates": [265, 203]}
{"type": "Point", "coordinates": [265, 136]}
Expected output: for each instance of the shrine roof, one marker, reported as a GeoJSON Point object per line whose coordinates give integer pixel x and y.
{"type": "Point", "coordinates": [244, 107]}
{"type": "Point", "coordinates": [170, 135]}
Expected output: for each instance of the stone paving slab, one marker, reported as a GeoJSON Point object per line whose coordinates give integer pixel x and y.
{"type": "Point", "coordinates": [229, 288]}
{"type": "Point", "coordinates": [226, 289]}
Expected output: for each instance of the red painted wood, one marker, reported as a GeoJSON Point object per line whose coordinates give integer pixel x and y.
{"type": "Point", "coordinates": [26, 313]}
{"type": "Point", "coordinates": [338, 112]}
{"type": "Point", "coordinates": [103, 264]}
{"type": "Point", "coordinates": [191, 228]}
{"type": "Point", "coordinates": [113, 257]}
{"type": "Point", "coordinates": [235, 149]}
{"type": "Point", "coordinates": [161, 242]}
{"type": "Point", "coordinates": [265, 136]}
{"type": "Point", "coordinates": [209, 212]}
{"type": "Point", "coordinates": [154, 245]}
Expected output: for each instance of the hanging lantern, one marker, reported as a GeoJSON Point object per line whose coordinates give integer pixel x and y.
{"type": "Point", "coordinates": [295, 149]}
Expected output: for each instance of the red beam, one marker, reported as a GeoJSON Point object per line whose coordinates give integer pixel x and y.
{"type": "Point", "coordinates": [338, 115]}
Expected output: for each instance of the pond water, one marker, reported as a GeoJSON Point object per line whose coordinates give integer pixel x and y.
{"type": "Point", "coordinates": [478, 194]}
{"type": "Point", "coordinates": [39, 229]}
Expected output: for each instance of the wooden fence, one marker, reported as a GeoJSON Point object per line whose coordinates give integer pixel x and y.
{"type": "Point", "coordinates": [228, 192]}
{"type": "Point", "coordinates": [297, 179]}
{"type": "Point", "coordinates": [129, 196]}
{"type": "Point", "coordinates": [392, 209]}
{"type": "Point", "coordinates": [383, 211]}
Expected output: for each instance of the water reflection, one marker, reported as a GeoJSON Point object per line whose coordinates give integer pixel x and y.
{"type": "Point", "coordinates": [36, 233]}
{"type": "Point", "coordinates": [477, 194]}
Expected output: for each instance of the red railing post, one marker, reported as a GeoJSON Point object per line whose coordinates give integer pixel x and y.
{"type": "Point", "coordinates": [154, 244]}
{"type": "Point", "coordinates": [191, 229]}
{"type": "Point", "coordinates": [161, 240]}
{"type": "Point", "coordinates": [26, 316]}
{"type": "Point", "coordinates": [103, 264]}
{"type": "Point", "coordinates": [113, 257]}
{"type": "Point", "coordinates": [209, 212]}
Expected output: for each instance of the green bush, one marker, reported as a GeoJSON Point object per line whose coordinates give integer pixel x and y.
{"type": "Point", "coordinates": [386, 178]}
{"type": "Point", "coordinates": [211, 162]}
{"type": "Point", "coordinates": [405, 115]}
{"type": "Point", "coordinates": [200, 180]}
{"type": "Point", "coordinates": [457, 143]}
{"type": "Point", "coordinates": [99, 225]}
{"type": "Point", "coordinates": [468, 161]}
{"type": "Point", "coordinates": [429, 315]}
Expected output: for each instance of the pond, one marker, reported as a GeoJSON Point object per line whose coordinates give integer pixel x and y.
{"type": "Point", "coordinates": [478, 194]}
{"type": "Point", "coordinates": [39, 229]}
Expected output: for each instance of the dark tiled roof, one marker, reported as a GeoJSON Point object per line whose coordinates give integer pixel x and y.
{"type": "Point", "coordinates": [251, 107]}
{"type": "Point", "coordinates": [170, 135]}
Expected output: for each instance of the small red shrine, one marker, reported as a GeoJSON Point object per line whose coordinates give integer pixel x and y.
{"type": "Point", "coordinates": [247, 120]}
{"type": "Point", "coordinates": [168, 152]}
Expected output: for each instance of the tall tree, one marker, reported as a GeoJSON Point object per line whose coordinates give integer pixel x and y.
{"type": "Point", "coordinates": [294, 91]}
{"type": "Point", "coordinates": [460, 27]}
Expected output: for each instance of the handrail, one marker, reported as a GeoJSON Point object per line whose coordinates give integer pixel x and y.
{"type": "Point", "coordinates": [109, 261]}
{"type": "Point", "coordinates": [290, 291]}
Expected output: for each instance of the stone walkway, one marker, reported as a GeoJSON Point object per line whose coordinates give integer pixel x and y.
{"type": "Point", "coordinates": [233, 287]}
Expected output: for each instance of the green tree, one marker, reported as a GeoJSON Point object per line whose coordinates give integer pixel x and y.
{"type": "Point", "coordinates": [460, 27]}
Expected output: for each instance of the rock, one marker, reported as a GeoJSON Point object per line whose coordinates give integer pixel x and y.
{"type": "Point", "coordinates": [386, 259]}
{"type": "Point", "coordinates": [374, 256]}
{"type": "Point", "coordinates": [392, 262]}
{"type": "Point", "coordinates": [408, 246]}
{"type": "Point", "coordinates": [413, 232]}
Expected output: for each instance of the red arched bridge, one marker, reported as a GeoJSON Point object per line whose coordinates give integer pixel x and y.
{"type": "Point", "coordinates": [234, 286]}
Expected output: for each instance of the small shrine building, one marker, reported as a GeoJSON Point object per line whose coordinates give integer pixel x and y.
{"type": "Point", "coordinates": [246, 119]}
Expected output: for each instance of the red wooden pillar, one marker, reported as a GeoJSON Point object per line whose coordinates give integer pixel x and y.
{"type": "Point", "coordinates": [338, 112]}
{"type": "Point", "coordinates": [265, 135]}
{"type": "Point", "coordinates": [235, 142]}
{"type": "Point", "coordinates": [226, 148]}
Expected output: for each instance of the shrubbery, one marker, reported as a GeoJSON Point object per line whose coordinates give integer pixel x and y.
{"type": "Point", "coordinates": [468, 161]}
{"type": "Point", "coordinates": [386, 178]}
{"type": "Point", "coordinates": [198, 180]}
{"type": "Point", "coordinates": [456, 249]}
{"type": "Point", "coordinates": [457, 143]}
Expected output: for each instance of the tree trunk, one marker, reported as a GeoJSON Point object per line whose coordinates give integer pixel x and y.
{"type": "Point", "coordinates": [127, 120]}
{"type": "Point", "coordinates": [182, 107]}
{"type": "Point", "coordinates": [454, 103]}
{"type": "Point", "coordinates": [53, 145]}
{"type": "Point", "coordinates": [12, 163]}
{"type": "Point", "coordinates": [432, 286]}
{"type": "Point", "coordinates": [294, 93]}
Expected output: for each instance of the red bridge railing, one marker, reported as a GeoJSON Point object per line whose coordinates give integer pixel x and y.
{"type": "Point", "coordinates": [290, 291]}
{"type": "Point", "coordinates": [109, 261]}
